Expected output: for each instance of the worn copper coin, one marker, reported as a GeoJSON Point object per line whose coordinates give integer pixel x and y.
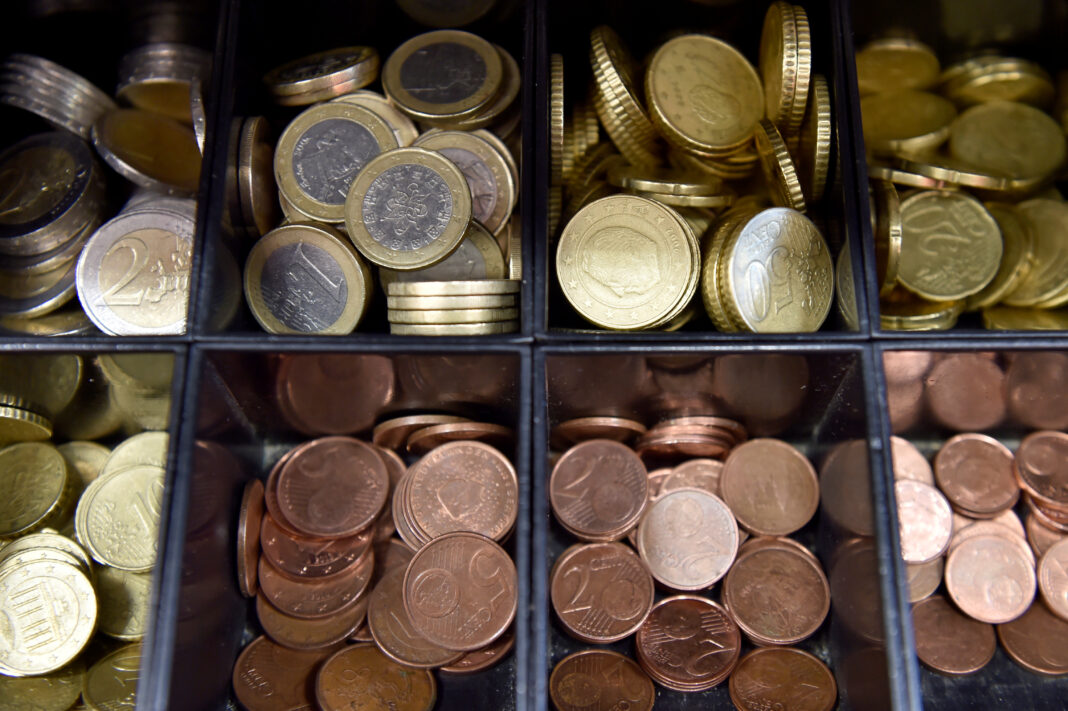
{"type": "Point", "coordinates": [392, 629]}
{"type": "Point", "coordinates": [601, 591]}
{"type": "Point", "coordinates": [484, 658]}
{"type": "Point", "coordinates": [598, 490]}
{"type": "Point", "coordinates": [600, 680]}
{"type": "Point", "coordinates": [966, 392]}
{"type": "Point", "coordinates": [333, 393]}
{"type": "Point", "coordinates": [782, 677]}
{"type": "Point", "coordinates": [1040, 536]}
{"type": "Point", "coordinates": [975, 473]}
{"type": "Point", "coordinates": [427, 438]}
{"type": "Point", "coordinates": [302, 557]}
{"type": "Point", "coordinates": [688, 538]}
{"type": "Point", "coordinates": [299, 633]}
{"type": "Point", "coordinates": [923, 579]}
{"type": "Point", "coordinates": [924, 520]}
{"type": "Point", "coordinates": [1037, 640]}
{"type": "Point", "coordinates": [360, 676]}
{"type": "Point", "coordinates": [770, 486]}
{"type": "Point", "coordinates": [460, 591]}
{"type": "Point", "coordinates": [777, 594]}
{"type": "Point", "coordinates": [580, 429]}
{"type": "Point", "coordinates": [688, 643]}
{"type": "Point", "coordinates": [270, 677]}
{"type": "Point", "coordinates": [1053, 578]}
{"type": "Point", "coordinates": [315, 598]}
{"type": "Point", "coordinates": [394, 432]}
{"type": "Point", "coordinates": [909, 462]}
{"type": "Point", "coordinates": [333, 486]}
{"type": "Point", "coordinates": [248, 537]}
{"type": "Point", "coordinates": [948, 641]}
{"type": "Point", "coordinates": [990, 579]}
{"type": "Point", "coordinates": [991, 528]}
{"type": "Point", "coordinates": [845, 487]}
{"type": "Point", "coordinates": [1037, 384]}
{"type": "Point", "coordinates": [700, 473]}
{"type": "Point", "coordinates": [1042, 467]}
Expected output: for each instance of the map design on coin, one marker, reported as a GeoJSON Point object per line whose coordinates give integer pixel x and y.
{"type": "Point", "coordinates": [407, 207]}
{"type": "Point", "coordinates": [623, 261]}
{"type": "Point", "coordinates": [327, 157]}
{"type": "Point", "coordinates": [713, 106]}
{"type": "Point", "coordinates": [443, 73]}
{"type": "Point", "coordinates": [479, 179]}
{"type": "Point", "coordinates": [304, 287]}
{"type": "Point", "coordinates": [34, 182]}
{"type": "Point", "coordinates": [321, 66]}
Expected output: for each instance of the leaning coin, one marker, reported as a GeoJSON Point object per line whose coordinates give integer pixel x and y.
{"type": "Point", "coordinates": [117, 518]}
{"type": "Point", "coordinates": [323, 75]}
{"type": "Point", "coordinates": [150, 150]}
{"type": "Point", "coordinates": [1037, 641]}
{"type": "Point", "coordinates": [454, 288]}
{"type": "Point", "coordinates": [57, 691]}
{"type": "Point", "coordinates": [949, 641]}
{"type": "Point", "coordinates": [478, 256]}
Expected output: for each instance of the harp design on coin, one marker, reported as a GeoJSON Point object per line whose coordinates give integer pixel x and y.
{"type": "Point", "coordinates": [623, 261]}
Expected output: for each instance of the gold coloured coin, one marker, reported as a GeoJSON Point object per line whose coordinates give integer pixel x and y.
{"type": "Point", "coordinates": [710, 273]}
{"type": "Point", "coordinates": [886, 204]}
{"type": "Point", "coordinates": [1009, 139]}
{"type": "Point", "coordinates": [904, 311]}
{"type": "Point", "coordinates": [445, 74]}
{"type": "Point", "coordinates": [35, 477]}
{"type": "Point", "coordinates": [711, 202]}
{"type": "Point", "coordinates": [123, 601]}
{"type": "Point", "coordinates": [403, 129]}
{"type": "Point", "coordinates": [36, 542]}
{"type": "Point", "coordinates": [776, 274]}
{"type": "Point", "coordinates": [896, 63]}
{"type": "Point", "coordinates": [57, 691]}
{"type": "Point", "coordinates": [779, 170]}
{"type": "Point", "coordinates": [704, 94]}
{"type": "Point", "coordinates": [1048, 221]}
{"type": "Point", "coordinates": [1012, 318]}
{"type": "Point", "coordinates": [453, 288]}
{"type": "Point", "coordinates": [143, 448]}
{"type": "Point", "coordinates": [454, 329]}
{"type": "Point", "coordinates": [845, 291]}
{"type": "Point", "coordinates": [668, 181]}
{"type": "Point", "coordinates": [626, 262]}
{"type": "Point", "coordinates": [151, 150]}
{"type": "Point", "coordinates": [556, 119]}
{"type": "Point", "coordinates": [814, 153]}
{"type": "Point", "coordinates": [118, 518]}
{"type": "Point", "coordinates": [897, 176]}
{"type": "Point", "coordinates": [322, 76]}
{"type": "Point", "coordinates": [479, 256]}
{"type": "Point", "coordinates": [995, 78]}
{"type": "Point", "coordinates": [447, 316]}
{"type": "Point", "coordinates": [618, 100]}
{"type": "Point", "coordinates": [474, 301]}
{"type": "Point", "coordinates": [950, 245]}
{"type": "Point", "coordinates": [951, 172]}
{"type": "Point", "coordinates": [306, 278]}
{"type": "Point", "coordinates": [1018, 249]}
{"type": "Point", "coordinates": [785, 65]}
{"type": "Point", "coordinates": [257, 190]}
{"type": "Point", "coordinates": [408, 208]}
{"type": "Point", "coordinates": [18, 425]}
{"type": "Point", "coordinates": [321, 152]}
{"type": "Point", "coordinates": [111, 683]}
{"type": "Point", "coordinates": [905, 121]}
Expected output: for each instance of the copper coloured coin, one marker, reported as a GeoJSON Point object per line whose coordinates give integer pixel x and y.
{"type": "Point", "coordinates": [674, 442]}
{"type": "Point", "coordinates": [463, 486]}
{"type": "Point", "coordinates": [460, 591]}
{"type": "Point", "coordinates": [248, 537]}
{"type": "Point", "coordinates": [1037, 641]}
{"type": "Point", "coordinates": [770, 486]}
{"type": "Point", "coordinates": [1053, 516]}
{"type": "Point", "coordinates": [270, 677]}
{"type": "Point", "coordinates": [948, 641]}
{"type": "Point", "coordinates": [688, 538]}
{"type": "Point", "coordinates": [777, 594]}
{"type": "Point", "coordinates": [688, 643]}
{"type": "Point", "coordinates": [991, 528]}
{"type": "Point", "coordinates": [389, 555]}
{"type": "Point", "coordinates": [1042, 467]}
{"type": "Point", "coordinates": [598, 490]}
{"type": "Point", "coordinates": [1037, 384]}
{"type": "Point", "coordinates": [904, 405]}
{"type": "Point", "coordinates": [990, 579]}
{"type": "Point", "coordinates": [580, 429]}
{"type": "Point", "coordinates": [975, 473]}
{"type": "Point", "coordinates": [361, 677]}
{"type": "Point", "coordinates": [423, 440]}
{"type": "Point", "coordinates": [1053, 578]}
{"type": "Point", "coordinates": [923, 579]}
{"type": "Point", "coordinates": [333, 487]}
{"type": "Point", "coordinates": [315, 598]}
{"type": "Point", "coordinates": [302, 557]}
{"type": "Point", "coordinates": [966, 392]}
{"type": "Point", "coordinates": [853, 577]}
{"type": "Point", "coordinates": [270, 495]}
{"type": "Point", "coordinates": [782, 678]}
{"type": "Point", "coordinates": [490, 655]}
{"type": "Point", "coordinates": [909, 462]}
{"type": "Point", "coordinates": [845, 487]}
{"type": "Point", "coordinates": [1040, 536]}
{"type": "Point", "coordinates": [701, 473]}
{"type": "Point", "coordinates": [297, 633]}
{"type": "Point", "coordinates": [333, 393]}
{"type": "Point", "coordinates": [924, 521]}
{"type": "Point", "coordinates": [392, 628]}
{"type": "Point", "coordinates": [600, 680]}
{"type": "Point", "coordinates": [393, 433]}
{"type": "Point", "coordinates": [906, 366]}
{"type": "Point", "coordinates": [601, 591]}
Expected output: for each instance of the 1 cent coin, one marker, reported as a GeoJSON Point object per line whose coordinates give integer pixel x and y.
{"type": "Point", "coordinates": [770, 486]}
{"type": "Point", "coordinates": [601, 591]}
{"type": "Point", "coordinates": [1053, 578]}
{"type": "Point", "coordinates": [1037, 640]}
{"type": "Point", "coordinates": [688, 538]}
{"type": "Point", "coordinates": [989, 578]}
{"type": "Point", "coordinates": [248, 537]}
{"type": "Point", "coordinates": [600, 680]}
{"type": "Point", "coordinates": [924, 519]}
{"type": "Point", "coordinates": [948, 641]}
{"type": "Point", "coordinates": [361, 677]}
{"type": "Point", "coordinates": [782, 677]}
{"type": "Point", "coordinates": [975, 472]}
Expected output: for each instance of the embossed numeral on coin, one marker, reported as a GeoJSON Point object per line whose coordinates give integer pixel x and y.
{"type": "Point", "coordinates": [303, 267]}
{"type": "Point", "coordinates": [138, 260]}
{"type": "Point", "coordinates": [488, 579]}
{"type": "Point", "coordinates": [584, 581]}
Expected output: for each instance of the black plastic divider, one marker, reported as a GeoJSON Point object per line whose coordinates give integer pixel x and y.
{"type": "Point", "coordinates": [1033, 29]}
{"type": "Point", "coordinates": [264, 35]}
{"type": "Point", "coordinates": [203, 620]}
{"type": "Point", "coordinates": [836, 405]}
{"type": "Point", "coordinates": [1002, 680]}
{"type": "Point", "coordinates": [566, 31]}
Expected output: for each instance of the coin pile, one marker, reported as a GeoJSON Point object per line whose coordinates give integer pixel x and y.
{"type": "Point", "coordinates": [453, 307]}
{"type": "Point", "coordinates": [634, 260]}
{"type": "Point", "coordinates": [958, 527]}
{"type": "Point", "coordinates": [359, 182]}
{"type": "Point", "coordinates": [323, 575]}
{"type": "Point", "coordinates": [974, 131]}
{"type": "Point", "coordinates": [698, 514]}
{"type": "Point", "coordinates": [79, 523]}
{"type": "Point", "coordinates": [136, 280]}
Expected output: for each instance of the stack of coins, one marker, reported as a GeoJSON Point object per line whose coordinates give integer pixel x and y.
{"type": "Point", "coordinates": [942, 250]}
{"type": "Point", "coordinates": [453, 307]}
{"type": "Point", "coordinates": [160, 77]}
{"type": "Point", "coordinates": [79, 527]}
{"type": "Point", "coordinates": [633, 261]}
{"type": "Point", "coordinates": [430, 206]}
{"type": "Point", "coordinates": [692, 497]}
{"type": "Point", "coordinates": [59, 96]}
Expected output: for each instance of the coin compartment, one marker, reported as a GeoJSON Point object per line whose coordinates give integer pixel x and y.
{"type": "Point", "coordinates": [568, 26]}
{"type": "Point", "coordinates": [819, 401]}
{"type": "Point", "coordinates": [1029, 395]}
{"type": "Point", "coordinates": [229, 402]}
{"type": "Point", "coordinates": [1033, 30]}
{"type": "Point", "coordinates": [264, 35]}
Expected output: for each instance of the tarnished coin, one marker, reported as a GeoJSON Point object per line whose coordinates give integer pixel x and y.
{"type": "Point", "coordinates": [123, 599]}
{"type": "Point", "coordinates": [600, 680]}
{"type": "Point", "coordinates": [975, 472]}
{"type": "Point", "coordinates": [770, 487]}
{"type": "Point", "coordinates": [150, 150]}
{"type": "Point", "coordinates": [320, 153]}
{"type": "Point", "coordinates": [948, 641]}
{"type": "Point", "coordinates": [924, 520]}
{"type": "Point", "coordinates": [673, 642]}
{"type": "Point", "coordinates": [323, 75]}
{"type": "Point", "coordinates": [477, 257]}
{"type": "Point", "coordinates": [1010, 139]}
{"type": "Point", "coordinates": [57, 691]}
{"type": "Point", "coordinates": [688, 538]}
{"type": "Point", "coordinates": [306, 278]}
{"type": "Point", "coordinates": [408, 208]}
{"type": "Point", "coordinates": [601, 592]}
{"type": "Point", "coordinates": [1037, 640]}
{"type": "Point", "coordinates": [598, 490]}
{"type": "Point", "coordinates": [117, 518]}
{"type": "Point", "coordinates": [990, 579]}
{"type": "Point", "coordinates": [361, 671]}
{"type": "Point", "coordinates": [784, 676]}
{"type": "Point", "coordinates": [112, 681]}
{"type": "Point", "coordinates": [317, 633]}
